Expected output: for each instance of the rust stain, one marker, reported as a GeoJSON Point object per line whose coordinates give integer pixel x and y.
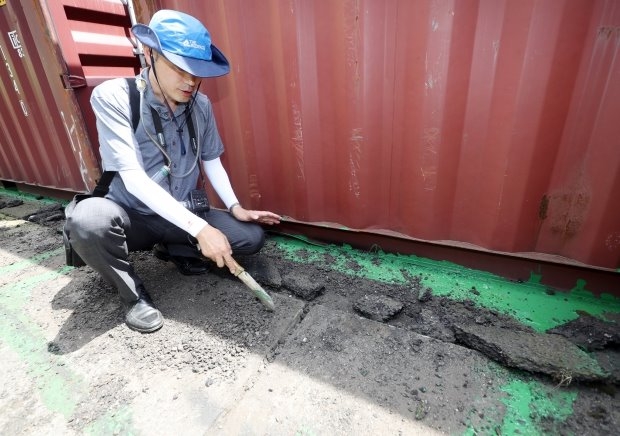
{"type": "Point", "coordinates": [567, 212]}
{"type": "Point", "coordinates": [543, 208]}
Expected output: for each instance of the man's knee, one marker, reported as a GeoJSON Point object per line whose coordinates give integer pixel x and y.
{"type": "Point", "coordinates": [93, 219]}
{"type": "Point", "coordinates": [252, 240]}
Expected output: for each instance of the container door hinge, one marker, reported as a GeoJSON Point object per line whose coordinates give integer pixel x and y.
{"type": "Point", "coordinates": [70, 81]}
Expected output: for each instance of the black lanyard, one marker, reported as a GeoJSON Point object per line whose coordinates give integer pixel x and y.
{"type": "Point", "coordinates": [190, 128]}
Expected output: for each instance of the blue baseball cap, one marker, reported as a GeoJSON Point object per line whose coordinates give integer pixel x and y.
{"type": "Point", "coordinates": [184, 41]}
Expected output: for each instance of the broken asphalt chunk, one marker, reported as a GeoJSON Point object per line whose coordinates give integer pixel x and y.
{"type": "Point", "coordinates": [303, 287]}
{"type": "Point", "coordinates": [589, 332]}
{"type": "Point", "coordinates": [378, 307]}
{"type": "Point", "coordinates": [548, 354]}
{"type": "Point", "coordinates": [10, 203]}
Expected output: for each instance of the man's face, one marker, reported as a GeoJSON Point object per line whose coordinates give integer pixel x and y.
{"type": "Point", "coordinates": [177, 85]}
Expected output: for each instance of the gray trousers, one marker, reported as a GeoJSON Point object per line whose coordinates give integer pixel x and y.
{"type": "Point", "coordinates": [104, 233]}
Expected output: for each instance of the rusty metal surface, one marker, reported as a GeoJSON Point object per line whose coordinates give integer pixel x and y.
{"type": "Point", "coordinates": [492, 123]}
{"type": "Point", "coordinates": [94, 37]}
{"type": "Point", "coordinates": [55, 52]}
{"type": "Point", "coordinates": [96, 44]}
{"type": "Point", "coordinates": [489, 124]}
{"type": "Point", "coordinates": [43, 140]}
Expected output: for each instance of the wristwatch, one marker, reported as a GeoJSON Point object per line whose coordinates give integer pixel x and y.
{"type": "Point", "coordinates": [232, 206]}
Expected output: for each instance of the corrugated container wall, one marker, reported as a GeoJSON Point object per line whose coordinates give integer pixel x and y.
{"type": "Point", "coordinates": [484, 123]}
{"type": "Point", "coordinates": [44, 140]}
{"type": "Point", "coordinates": [487, 122]}
{"type": "Point", "coordinates": [96, 45]}
{"type": "Point", "coordinates": [55, 52]}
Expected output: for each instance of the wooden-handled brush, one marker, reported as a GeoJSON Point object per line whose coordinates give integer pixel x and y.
{"type": "Point", "coordinates": [257, 289]}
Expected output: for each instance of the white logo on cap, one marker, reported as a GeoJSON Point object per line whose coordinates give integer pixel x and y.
{"type": "Point", "coordinates": [190, 43]}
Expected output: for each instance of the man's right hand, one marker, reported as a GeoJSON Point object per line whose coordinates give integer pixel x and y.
{"type": "Point", "coordinates": [215, 246]}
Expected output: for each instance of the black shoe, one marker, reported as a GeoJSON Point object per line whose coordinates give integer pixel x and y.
{"type": "Point", "coordinates": [189, 266]}
{"type": "Point", "coordinates": [142, 315]}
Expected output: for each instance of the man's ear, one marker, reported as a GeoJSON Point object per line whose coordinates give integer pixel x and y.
{"type": "Point", "coordinates": [147, 54]}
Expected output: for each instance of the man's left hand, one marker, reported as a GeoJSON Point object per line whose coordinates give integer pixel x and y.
{"type": "Point", "coordinates": [259, 216]}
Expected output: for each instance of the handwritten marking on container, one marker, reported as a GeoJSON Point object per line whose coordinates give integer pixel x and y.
{"type": "Point", "coordinates": [298, 141]}
{"type": "Point", "coordinates": [431, 138]}
{"type": "Point", "coordinates": [24, 107]}
{"type": "Point", "coordinates": [609, 32]}
{"type": "Point", "coordinates": [17, 46]}
{"type": "Point", "coordinates": [254, 189]}
{"type": "Point", "coordinates": [354, 160]}
{"type": "Point", "coordinates": [496, 47]}
{"type": "Point", "coordinates": [76, 146]}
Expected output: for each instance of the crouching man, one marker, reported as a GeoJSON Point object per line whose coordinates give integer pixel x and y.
{"type": "Point", "coordinates": [156, 162]}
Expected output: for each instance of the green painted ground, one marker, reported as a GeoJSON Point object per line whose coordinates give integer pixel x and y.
{"type": "Point", "coordinates": [12, 193]}
{"type": "Point", "coordinates": [526, 401]}
{"type": "Point", "coordinates": [526, 404]}
{"type": "Point", "coordinates": [529, 302]}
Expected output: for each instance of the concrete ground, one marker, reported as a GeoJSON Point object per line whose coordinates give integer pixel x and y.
{"type": "Point", "coordinates": [223, 365]}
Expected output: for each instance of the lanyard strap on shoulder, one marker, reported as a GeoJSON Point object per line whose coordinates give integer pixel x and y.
{"type": "Point", "coordinates": [190, 128]}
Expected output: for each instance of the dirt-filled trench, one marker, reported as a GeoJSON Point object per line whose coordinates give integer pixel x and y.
{"type": "Point", "coordinates": [359, 343]}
